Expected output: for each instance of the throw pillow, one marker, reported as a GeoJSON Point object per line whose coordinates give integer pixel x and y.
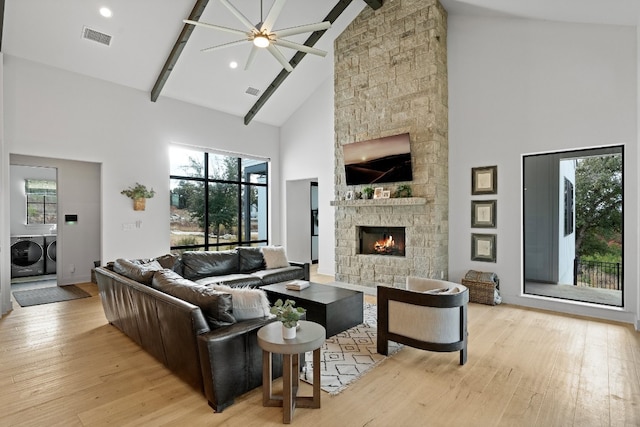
{"type": "Point", "coordinates": [274, 257]}
{"type": "Point", "coordinates": [444, 291]}
{"type": "Point", "coordinates": [247, 303]}
{"type": "Point", "coordinates": [216, 306]}
{"type": "Point", "coordinates": [251, 259]}
{"type": "Point", "coordinates": [142, 273]}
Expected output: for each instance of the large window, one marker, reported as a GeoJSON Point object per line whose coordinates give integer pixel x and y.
{"type": "Point", "coordinates": [217, 201]}
{"type": "Point", "coordinates": [42, 201]}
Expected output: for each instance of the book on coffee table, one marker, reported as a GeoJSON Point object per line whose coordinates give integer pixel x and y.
{"type": "Point", "coordinates": [297, 285]}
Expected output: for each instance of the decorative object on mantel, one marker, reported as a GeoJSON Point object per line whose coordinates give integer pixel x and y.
{"type": "Point", "coordinates": [289, 315]}
{"type": "Point", "coordinates": [367, 192]}
{"type": "Point", "coordinates": [377, 192]}
{"type": "Point", "coordinates": [139, 194]}
{"type": "Point", "coordinates": [403, 190]}
{"type": "Point", "coordinates": [484, 180]}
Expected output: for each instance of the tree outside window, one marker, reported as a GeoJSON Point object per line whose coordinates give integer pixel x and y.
{"type": "Point", "coordinates": [217, 202]}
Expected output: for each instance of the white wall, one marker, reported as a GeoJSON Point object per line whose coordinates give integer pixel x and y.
{"type": "Point", "coordinates": [307, 144]}
{"type": "Point", "coordinates": [566, 244]}
{"type": "Point", "coordinates": [54, 113]}
{"type": "Point", "coordinates": [519, 87]}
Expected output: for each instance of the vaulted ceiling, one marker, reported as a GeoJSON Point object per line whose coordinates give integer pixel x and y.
{"type": "Point", "coordinates": [144, 34]}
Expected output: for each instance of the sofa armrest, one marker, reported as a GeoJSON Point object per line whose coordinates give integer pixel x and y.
{"type": "Point", "coordinates": [231, 361]}
{"type": "Point", "coordinates": [306, 267]}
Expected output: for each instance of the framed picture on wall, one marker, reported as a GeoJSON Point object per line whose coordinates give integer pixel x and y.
{"type": "Point", "coordinates": [484, 180]}
{"type": "Point", "coordinates": [483, 213]}
{"type": "Point", "coordinates": [483, 247]}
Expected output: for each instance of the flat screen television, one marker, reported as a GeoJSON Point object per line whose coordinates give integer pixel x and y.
{"type": "Point", "coordinates": [379, 160]}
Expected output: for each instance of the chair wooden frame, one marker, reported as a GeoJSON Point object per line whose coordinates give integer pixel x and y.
{"type": "Point", "coordinates": [386, 294]}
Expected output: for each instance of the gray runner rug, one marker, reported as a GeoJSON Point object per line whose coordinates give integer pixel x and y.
{"type": "Point", "coordinates": [347, 356]}
{"type": "Point", "coordinates": [31, 297]}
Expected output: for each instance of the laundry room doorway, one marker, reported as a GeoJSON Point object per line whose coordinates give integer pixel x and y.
{"type": "Point", "coordinates": [65, 222]}
{"type": "Point", "coordinates": [33, 225]}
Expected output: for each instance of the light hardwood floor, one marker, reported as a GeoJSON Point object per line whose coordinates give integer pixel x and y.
{"type": "Point", "coordinates": [62, 364]}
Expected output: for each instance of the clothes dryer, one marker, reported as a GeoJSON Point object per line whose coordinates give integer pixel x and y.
{"type": "Point", "coordinates": [27, 256]}
{"type": "Point", "coordinates": [50, 253]}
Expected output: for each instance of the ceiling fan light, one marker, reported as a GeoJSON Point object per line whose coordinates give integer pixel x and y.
{"type": "Point", "coordinates": [261, 41]}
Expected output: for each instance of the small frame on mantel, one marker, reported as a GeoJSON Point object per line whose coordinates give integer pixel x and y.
{"type": "Point", "coordinates": [483, 213]}
{"type": "Point", "coordinates": [484, 180]}
{"type": "Point", "coordinates": [483, 247]}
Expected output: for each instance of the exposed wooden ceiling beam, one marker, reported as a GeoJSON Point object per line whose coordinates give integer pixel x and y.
{"type": "Point", "coordinates": [374, 4]}
{"type": "Point", "coordinates": [1, 22]}
{"type": "Point", "coordinates": [313, 38]}
{"type": "Point", "coordinates": [177, 49]}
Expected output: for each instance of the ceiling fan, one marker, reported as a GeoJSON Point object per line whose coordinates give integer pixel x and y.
{"type": "Point", "coordinates": [263, 36]}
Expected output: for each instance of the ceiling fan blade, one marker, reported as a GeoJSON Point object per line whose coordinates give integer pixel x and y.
{"type": "Point", "coordinates": [239, 15]}
{"type": "Point", "coordinates": [280, 57]}
{"type": "Point", "coordinates": [273, 14]}
{"type": "Point", "coordinates": [302, 29]}
{"type": "Point", "coordinates": [215, 27]}
{"type": "Point", "coordinates": [300, 47]}
{"type": "Point", "coordinates": [222, 46]}
{"type": "Point", "coordinates": [252, 55]}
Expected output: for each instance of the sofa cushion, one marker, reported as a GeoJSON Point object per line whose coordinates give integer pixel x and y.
{"type": "Point", "coordinates": [199, 264]}
{"type": "Point", "coordinates": [232, 280]}
{"type": "Point", "coordinates": [136, 270]}
{"type": "Point", "coordinates": [168, 260]}
{"type": "Point", "coordinates": [216, 306]}
{"type": "Point", "coordinates": [247, 303]}
{"type": "Point", "coordinates": [277, 275]}
{"type": "Point", "coordinates": [274, 257]}
{"type": "Point", "coordinates": [251, 259]}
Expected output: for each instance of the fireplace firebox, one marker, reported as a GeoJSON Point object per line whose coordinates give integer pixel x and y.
{"type": "Point", "coordinates": [381, 241]}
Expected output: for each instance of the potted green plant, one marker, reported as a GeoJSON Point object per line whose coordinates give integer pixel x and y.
{"type": "Point", "coordinates": [403, 190]}
{"type": "Point", "coordinates": [368, 192]}
{"type": "Point", "coordinates": [288, 314]}
{"type": "Point", "coordinates": [139, 194]}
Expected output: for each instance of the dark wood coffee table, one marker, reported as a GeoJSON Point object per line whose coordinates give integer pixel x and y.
{"type": "Point", "coordinates": [337, 309]}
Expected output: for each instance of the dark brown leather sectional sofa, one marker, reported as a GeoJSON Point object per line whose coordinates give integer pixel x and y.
{"type": "Point", "coordinates": [220, 358]}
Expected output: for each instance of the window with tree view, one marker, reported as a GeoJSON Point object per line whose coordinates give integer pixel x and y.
{"type": "Point", "coordinates": [217, 201]}
{"type": "Point", "coordinates": [42, 201]}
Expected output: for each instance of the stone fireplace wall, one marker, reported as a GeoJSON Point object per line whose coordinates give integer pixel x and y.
{"type": "Point", "coordinates": [391, 78]}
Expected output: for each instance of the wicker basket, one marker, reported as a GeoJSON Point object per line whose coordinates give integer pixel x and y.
{"type": "Point", "coordinates": [482, 287]}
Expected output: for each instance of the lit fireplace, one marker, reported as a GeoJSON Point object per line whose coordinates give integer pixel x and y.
{"type": "Point", "coordinates": [382, 241]}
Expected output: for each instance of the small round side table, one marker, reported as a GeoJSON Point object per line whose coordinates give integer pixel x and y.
{"type": "Point", "coordinates": [309, 337]}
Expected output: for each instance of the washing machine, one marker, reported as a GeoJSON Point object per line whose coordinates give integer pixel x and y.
{"type": "Point", "coordinates": [27, 256]}
{"type": "Point", "coordinates": [50, 254]}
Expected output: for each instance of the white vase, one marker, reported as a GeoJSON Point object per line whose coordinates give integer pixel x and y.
{"type": "Point", "coordinates": [288, 333]}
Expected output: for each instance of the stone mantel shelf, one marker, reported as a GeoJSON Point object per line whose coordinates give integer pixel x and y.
{"type": "Point", "coordinates": [396, 201]}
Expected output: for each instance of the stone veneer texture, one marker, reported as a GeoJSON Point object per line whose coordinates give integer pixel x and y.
{"type": "Point", "coordinates": [391, 78]}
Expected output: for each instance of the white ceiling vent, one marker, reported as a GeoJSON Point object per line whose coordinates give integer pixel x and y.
{"type": "Point", "coordinates": [96, 36]}
{"type": "Point", "coordinates": [252, 91]}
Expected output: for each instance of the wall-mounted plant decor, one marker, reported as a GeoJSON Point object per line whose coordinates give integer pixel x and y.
{"type": "Point", "coordinates": [139, 194]}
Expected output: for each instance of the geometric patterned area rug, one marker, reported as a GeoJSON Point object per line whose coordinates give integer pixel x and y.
{"type": "Point", "coordinates": [347, 356]}
{"type": "Point", "coordinates": [47, 295]}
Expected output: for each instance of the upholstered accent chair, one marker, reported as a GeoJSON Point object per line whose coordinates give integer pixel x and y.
{"type": "Point", "coordinates": [429, 314]}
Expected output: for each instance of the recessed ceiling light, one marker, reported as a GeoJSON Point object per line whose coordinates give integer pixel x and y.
{"type": "Point", "coordinates": [233, 64]}
{"type": "Point", "coordinates": [106, 12]}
